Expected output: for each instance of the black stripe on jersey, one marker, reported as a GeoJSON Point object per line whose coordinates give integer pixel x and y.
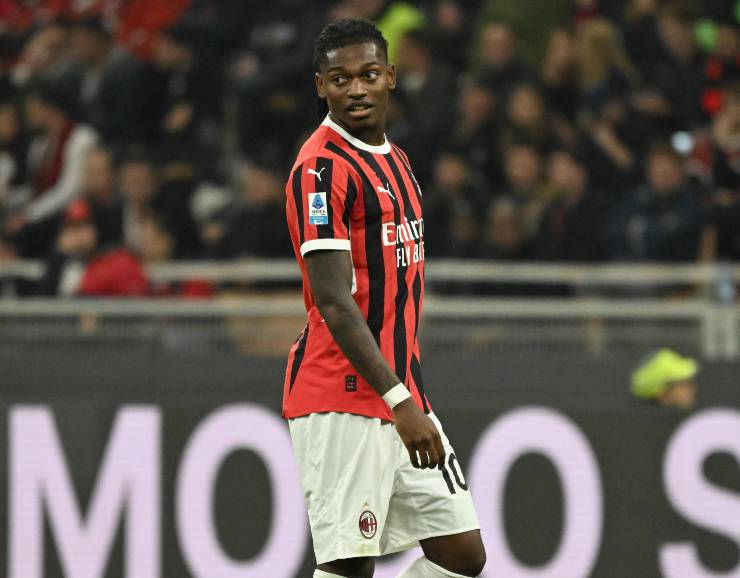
{"type": "Point", "coordinates": [403, 292]}
{"type": "Point", "coordinates": [298, 357]}
{"type": "Point", "coordinates": [416, 374]}
{"type": "Point", "coordinates": [407, 168]}
{"type": "Point", "coordinates": [373, 248]}
{"type": "Point", "coordinates": [323, 183]}
{"type": "Point", "coordinates": [349, 201]}
{"type": "Point", "coordinates": [408, 209]}
{"type": "Point", "coordinates": [298, 200]}
{"type": "Point", "coordinates": [417, 300]}
{"type": "Point", "coordinates": [400, 350]}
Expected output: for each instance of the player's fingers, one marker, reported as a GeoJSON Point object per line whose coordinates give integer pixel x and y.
{"type": "Point", "coordinates": [441, 453]}
{"type": "Point", "coordinates": [433, 456]}
{"type": "Point", "coordinates": [424, 462]}
{"type": "Point", "coordinates": [413, 457]}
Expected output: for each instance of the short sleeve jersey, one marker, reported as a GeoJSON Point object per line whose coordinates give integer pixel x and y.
{"type": "Point", "coordinates": [346, 195]}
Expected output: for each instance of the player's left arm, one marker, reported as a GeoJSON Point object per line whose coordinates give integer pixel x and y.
{"type": "Point", "coordinates": [330, 276]}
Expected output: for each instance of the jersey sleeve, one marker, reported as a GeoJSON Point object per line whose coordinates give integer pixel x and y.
{"type": "Point", "coordinates": [323, 193]}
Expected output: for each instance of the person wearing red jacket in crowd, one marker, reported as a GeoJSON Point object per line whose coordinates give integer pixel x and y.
{"type": "Point", "coordinates": [79, 267]}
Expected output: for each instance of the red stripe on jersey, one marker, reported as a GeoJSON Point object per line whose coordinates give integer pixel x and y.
{"type": "Point", "coordinates": [345, 195]}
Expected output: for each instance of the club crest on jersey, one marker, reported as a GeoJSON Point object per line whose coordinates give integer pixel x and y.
{"type": "Point", "coordinates": [368, 524]}
{"type": "Point", "coordinates": [318, 214]}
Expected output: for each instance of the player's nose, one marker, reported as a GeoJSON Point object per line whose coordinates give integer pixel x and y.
{"type": "Point", "coordinates": [357, 88]}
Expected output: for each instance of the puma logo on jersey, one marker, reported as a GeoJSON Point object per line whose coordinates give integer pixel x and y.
{"type": "Point", "coordinates": [387, 190]}
{"type": "Point", "coordinates": [313, 172]}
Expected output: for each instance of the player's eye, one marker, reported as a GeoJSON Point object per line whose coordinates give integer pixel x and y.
{"type": "Point", "coordinates": [339, 80]}
{"type": "Point", "coordinates": [372, 74]}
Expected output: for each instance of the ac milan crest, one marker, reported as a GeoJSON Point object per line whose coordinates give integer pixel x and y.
{"type": "Point", "coordinates": [368, 524]}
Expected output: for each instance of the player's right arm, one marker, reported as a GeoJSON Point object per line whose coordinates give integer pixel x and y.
{"type": "Point", "coordinates": [330, 275]}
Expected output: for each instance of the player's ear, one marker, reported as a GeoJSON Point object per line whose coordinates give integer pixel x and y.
{"type": "Point", "coordinates": [320, 88]}
{"type": "Point", "coordinates": [391, 72]}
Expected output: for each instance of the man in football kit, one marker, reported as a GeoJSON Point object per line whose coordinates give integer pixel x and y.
{"type": "Point", "coordinates": [378, 473]}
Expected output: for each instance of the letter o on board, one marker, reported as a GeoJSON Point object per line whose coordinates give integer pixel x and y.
{"type": "Point", "coordinates": [235, 427]}
{"type": "Point", "coordinates": [541, 430]}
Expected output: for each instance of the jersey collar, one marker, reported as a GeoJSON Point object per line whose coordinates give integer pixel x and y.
{"type": "Point", "coordinates": [382, 149]}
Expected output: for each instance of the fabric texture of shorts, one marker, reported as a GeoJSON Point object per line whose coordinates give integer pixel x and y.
{"type": "Point", "coordinates": [364, 497]}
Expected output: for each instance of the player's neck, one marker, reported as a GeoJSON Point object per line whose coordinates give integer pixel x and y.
{"type": "Point", "coordinates": [373, 136]}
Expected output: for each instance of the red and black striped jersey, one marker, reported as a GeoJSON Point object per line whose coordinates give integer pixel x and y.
{"type": "Point", "coordinates": [346, 195]}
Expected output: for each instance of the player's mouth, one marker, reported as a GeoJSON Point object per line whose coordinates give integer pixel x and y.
{"type": "Point", "coordinates": [359, 109]}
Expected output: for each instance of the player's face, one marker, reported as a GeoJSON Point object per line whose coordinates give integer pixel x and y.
{"type": "Point", "coordinates": [355, 82]}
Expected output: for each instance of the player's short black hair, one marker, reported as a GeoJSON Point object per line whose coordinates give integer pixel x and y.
{"type": "Point", "coordinates": [346, 32]}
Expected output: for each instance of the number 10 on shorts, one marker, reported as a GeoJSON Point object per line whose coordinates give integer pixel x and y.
{"type": "Point", "coordinates": [453, 465]}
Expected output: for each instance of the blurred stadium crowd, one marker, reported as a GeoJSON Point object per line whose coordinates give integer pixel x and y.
{"type": "Point", "coordinates": [135, 132]}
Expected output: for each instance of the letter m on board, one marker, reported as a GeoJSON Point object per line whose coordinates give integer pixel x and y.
{"type": "Point", "coordinates": [127, 484]}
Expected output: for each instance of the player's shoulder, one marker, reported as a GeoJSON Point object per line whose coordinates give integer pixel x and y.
{"type": "Point", "coordinates": [321, 147]}
{"type": "Point", "coordinates": [399, 151]}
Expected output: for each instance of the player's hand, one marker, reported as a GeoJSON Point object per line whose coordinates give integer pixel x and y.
{"type": "Point", "coordinates": [419, 435]}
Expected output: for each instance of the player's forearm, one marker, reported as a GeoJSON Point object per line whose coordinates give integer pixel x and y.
{"type": "Point", "coordinates": [330, 274]}
{"type": "Point", "coordinates": [353, 336]}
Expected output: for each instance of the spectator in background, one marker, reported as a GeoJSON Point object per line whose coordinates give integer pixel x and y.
{"type": "Point", "coordinates": [559, 79]}
{"type": "Point", "coordinates": [573, 227]}
{"type": "Point", "coordinates": [613, 140]}
{"type": "Point", "coordinates": [722, 66]}
{"type": "Point", "coordinates": [181, 96]}
{"type": "Point", "coordinates": [454, 193]}
{"type": "Point", "coordinates": [474, 132]}
{"type": "Point", "coordinates": [269, 77]}
{"type": "Point", "coordinates": [724, 157]}
{"type": "Point", "coordinates": [504, 232]}
{"type": "Point", "coordinates": [463, 232]}
{"type": "Point", "coordinates": [525, 186]}
{"type": "Point", "coordinates": [610, 132]}
{"type": "Point", "coordinates": [167, 189]}
{"type": "Point", "coordinates": [395, 18]}
{"type": "Point", "coordinates": [661, 221]}
{"type": "Point", "coordinates": [80, 267]}
{"type": "Point", "coordinates": [666, 378]}
{"type": "Point", "coordinates": [177, 185]}
{"type": "Point", "coordinates": [584, 11]}
{"type": "Point", "coordinates": [604, 70]}
{"type": "Point", "coordinates": [44, 55]}
{"type": "Point", "coordinates": [13, 156]}
{"type": "Point", "coordinates": [158, 246]}
{"type": "Point", "coordinates": [449, 30]}
{"type": "Point", "coordinates": [99, 190]}
{"type": "Point", "coordinates": [530, 21]}
{"type": "Point", "coordinates": [638, 29]}
{"type": "Point", "coordinates": [500, 67]}
{"type": "Point", "coordinates": [257, 224]}
{"type": "Point", "coordinates": [56, 164]}
{"type": "Point", "coordinates": [460, 238]}
{"type": "Point", "coordinates": [210, 207]}
{"type": "Point", "coordinates": [527, 120]}
{"type": "Point", "coordinates": [673, 75]}
{"type": "Point", "coordinates": [423, 89]}
{"type": "Point", "coordinates": [140, 21]}
{"type": "Point", "coordinates": [110, 82]}
{"type": "Point", "coordinates": [139, 183]}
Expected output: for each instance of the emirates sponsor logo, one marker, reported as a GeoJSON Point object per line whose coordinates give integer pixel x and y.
{"type": "Point", "coordinates": [408, 238]}
{"type": "Point", "coordinates": [399, 234]}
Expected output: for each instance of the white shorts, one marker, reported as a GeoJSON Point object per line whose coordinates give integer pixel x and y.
{"type": "Point", "coordinates": [364, 497]}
